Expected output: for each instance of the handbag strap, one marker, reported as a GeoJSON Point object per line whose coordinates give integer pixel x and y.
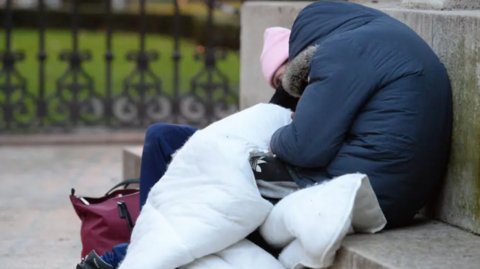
{"type": "Point", "coordinates": [124, 183]}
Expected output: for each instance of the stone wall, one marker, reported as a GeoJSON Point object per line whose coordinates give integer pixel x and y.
{"type": "Point", "coordinates": [443, 4]}
{"type": "Point", "coordinates": [455, 37]}
{"type": "Point", "coordinates": [255, 17]}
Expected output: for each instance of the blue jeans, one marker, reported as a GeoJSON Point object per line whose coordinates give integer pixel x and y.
{"type": "Point", "coordinates": [161, 141]}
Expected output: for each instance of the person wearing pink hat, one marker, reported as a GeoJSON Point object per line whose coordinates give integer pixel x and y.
{"type": "Point", "coordinates": [163, 139]}
{"type": "Point", "coordinates": [274, 54]}
{"type": "Point", "coordinates": [274, 61]}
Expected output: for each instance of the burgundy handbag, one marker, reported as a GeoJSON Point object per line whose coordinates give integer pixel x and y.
{"type": "Point", "coordinates": [109, 220]}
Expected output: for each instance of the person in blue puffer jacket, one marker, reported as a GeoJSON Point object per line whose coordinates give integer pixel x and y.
{"type": "Point", "coordinates": [374, 99]}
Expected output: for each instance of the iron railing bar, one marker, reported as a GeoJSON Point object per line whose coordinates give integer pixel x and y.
{"type": "Point", "coordinates": [143, 25]}
{"type": "Point", "coordinates": [8, 57]}
{"type": "Point", "coordinates": [143, 58]}
{"type": "Point", "coordinates": [108, 58]}
{"type": "Point", "coordinates": [41, 111]}
{"type": "Point", "coordinates": [210, 58]}
{"type": "Point", "coordinates": [74, 108]}
{"type": "Point", "coordinates": [8, 25]}
{"type": "Point", "coordinates": [75, 7]}
{"type": "Point", "coordinates": [176, 60]}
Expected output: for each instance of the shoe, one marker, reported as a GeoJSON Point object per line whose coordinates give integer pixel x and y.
{"type": "Point", "coordinates": [93, 261]}
{"type": "Point", "coordinates": [268, 167]}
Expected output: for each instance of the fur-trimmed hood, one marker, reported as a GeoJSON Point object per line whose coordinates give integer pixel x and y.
{"type": "Point", "coordinates": [296, 79]}
{"type": "Point", "coordinates": [313, 25]}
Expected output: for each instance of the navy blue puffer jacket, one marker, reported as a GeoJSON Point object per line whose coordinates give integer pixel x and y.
{"type": "Point", "coordinates": [374, 99]}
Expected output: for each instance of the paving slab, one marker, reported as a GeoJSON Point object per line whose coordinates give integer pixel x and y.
{"type": "Point", "coordinates": [425, 245]}
{"type": "Point", "coordinates": [132, 161]}
{"type": "Point", "coordinates": [38, 226]}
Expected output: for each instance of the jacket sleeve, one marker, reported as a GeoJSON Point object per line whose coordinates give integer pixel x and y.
{"type": "Point", "coordinates": [342, 79]}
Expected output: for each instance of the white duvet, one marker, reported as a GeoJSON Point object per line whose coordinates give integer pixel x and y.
{"type": "Point", "coordinates": [198, 214]}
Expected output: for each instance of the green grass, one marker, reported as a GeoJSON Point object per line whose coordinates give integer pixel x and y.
{"type": "Point", "coordinates": [59, 40]}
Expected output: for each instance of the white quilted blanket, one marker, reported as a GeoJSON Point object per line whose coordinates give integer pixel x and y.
{"type": "Point", "coordinates": [198, 215]}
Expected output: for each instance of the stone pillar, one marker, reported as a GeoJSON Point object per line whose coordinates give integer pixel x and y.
{"type": "Point", "coordinates": [25, 3]}
{"type": "Point", "coordinates": [53, 3]}
{"type": "Point", "coordinates": [119, 5]}
{"type": "Point", "coordinates": [255, 18]}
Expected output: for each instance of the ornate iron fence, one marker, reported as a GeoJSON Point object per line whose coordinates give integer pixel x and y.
{"type": "Point", "coordinates": [75, 102]}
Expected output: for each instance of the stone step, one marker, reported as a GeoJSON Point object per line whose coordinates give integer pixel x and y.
{"type": "Point", "coordinates": [132, 159]}
{"type": "Point", "coordinates": [427, 244]}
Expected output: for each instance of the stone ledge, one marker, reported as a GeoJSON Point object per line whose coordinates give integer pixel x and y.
{"type": "Point", "coordinates": [425, 245]}
{"type": "Point", "coordinates": [131, 162]}
{"type": "Point", "coordinates": [442, 4]}
{"type": "Point", "coordinates": [71, 139]}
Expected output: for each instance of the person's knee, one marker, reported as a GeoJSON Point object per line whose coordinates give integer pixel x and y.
{"type": "Point", "coordinates": [168, 135]}
{"type": "Point", "coordinates": [156, 133]}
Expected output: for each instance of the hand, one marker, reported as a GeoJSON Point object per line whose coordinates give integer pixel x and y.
{"type": "Point", "coordinates": [291, 116]}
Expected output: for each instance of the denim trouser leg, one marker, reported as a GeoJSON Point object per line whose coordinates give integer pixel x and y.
{"type": "Point", "coordinates": [161, 141]}
{"type": "Point", "coordinates": [116, 256]}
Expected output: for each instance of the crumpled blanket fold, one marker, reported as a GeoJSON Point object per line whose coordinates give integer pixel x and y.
{"type": "Point", "coordinates": [207, 200]}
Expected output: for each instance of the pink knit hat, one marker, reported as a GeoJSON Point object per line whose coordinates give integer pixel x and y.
{"type": "Point", "coordinates": [275, 51]}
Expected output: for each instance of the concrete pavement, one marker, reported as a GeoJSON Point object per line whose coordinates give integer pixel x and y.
{"type": "Point", "coordinates": [38, 226]}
